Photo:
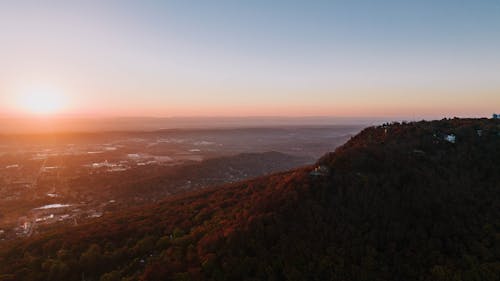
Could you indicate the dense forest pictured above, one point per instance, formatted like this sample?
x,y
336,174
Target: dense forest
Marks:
x,y
401,201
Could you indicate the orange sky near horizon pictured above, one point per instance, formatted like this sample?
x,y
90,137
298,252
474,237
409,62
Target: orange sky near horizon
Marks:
x,y
407,103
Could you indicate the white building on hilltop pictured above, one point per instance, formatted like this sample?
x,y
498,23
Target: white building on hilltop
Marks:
x,y
451,138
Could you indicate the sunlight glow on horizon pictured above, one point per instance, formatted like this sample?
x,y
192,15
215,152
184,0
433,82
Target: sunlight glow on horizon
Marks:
x,y
39,101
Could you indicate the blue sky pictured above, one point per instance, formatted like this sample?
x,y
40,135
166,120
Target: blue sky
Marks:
x,y
341,58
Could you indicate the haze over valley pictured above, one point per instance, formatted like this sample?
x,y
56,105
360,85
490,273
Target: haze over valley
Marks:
x,y
68,178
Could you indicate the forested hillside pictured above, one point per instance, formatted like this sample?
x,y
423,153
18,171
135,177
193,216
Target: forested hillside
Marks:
x,y
412,201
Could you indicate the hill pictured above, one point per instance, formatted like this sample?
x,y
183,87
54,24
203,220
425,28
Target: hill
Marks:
x,y
411,201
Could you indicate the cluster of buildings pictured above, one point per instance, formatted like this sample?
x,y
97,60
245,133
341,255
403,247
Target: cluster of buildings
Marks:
x,y
320,171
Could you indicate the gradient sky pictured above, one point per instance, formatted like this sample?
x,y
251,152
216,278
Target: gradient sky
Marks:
x,y
251,58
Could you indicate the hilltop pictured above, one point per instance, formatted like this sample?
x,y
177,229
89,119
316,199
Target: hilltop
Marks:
x,y
410,201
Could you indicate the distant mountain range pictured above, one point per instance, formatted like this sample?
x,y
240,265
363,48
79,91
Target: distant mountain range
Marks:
x,y
400,201
51,124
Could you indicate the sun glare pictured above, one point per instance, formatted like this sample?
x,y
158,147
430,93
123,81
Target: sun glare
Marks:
x,y
41,101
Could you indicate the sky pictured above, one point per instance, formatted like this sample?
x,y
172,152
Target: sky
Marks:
x,y
250,58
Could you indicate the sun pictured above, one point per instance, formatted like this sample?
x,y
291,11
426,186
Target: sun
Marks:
x,y
41,101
